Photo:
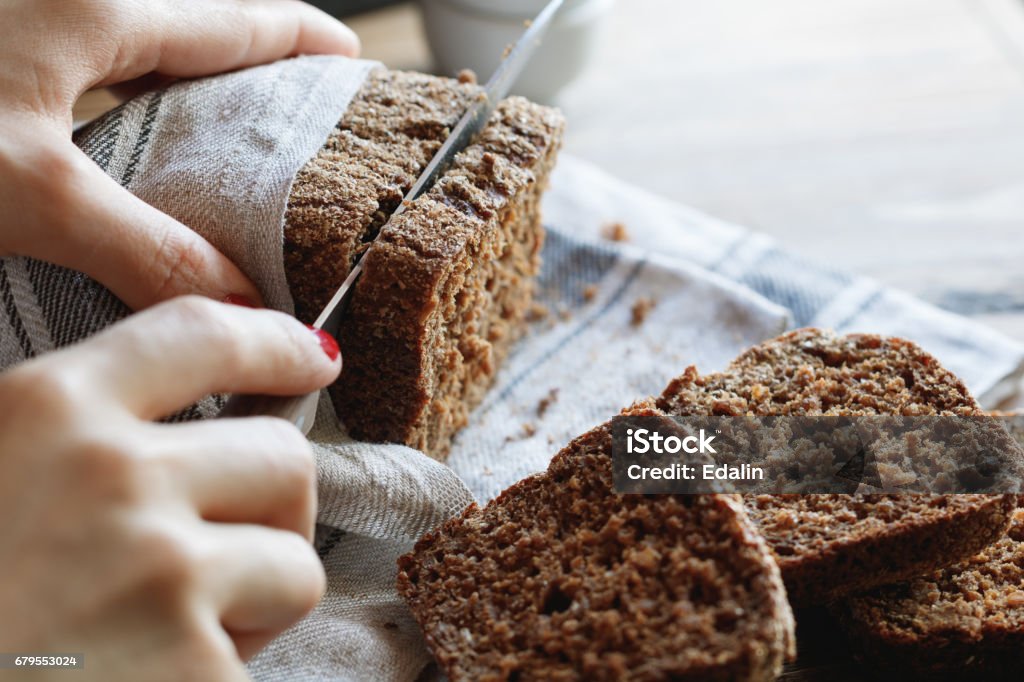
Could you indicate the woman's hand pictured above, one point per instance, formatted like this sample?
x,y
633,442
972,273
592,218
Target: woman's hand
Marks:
x,y
159,551
55,204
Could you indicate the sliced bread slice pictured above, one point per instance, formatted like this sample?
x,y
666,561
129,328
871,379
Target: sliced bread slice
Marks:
x,y
560,578
828,546
962,621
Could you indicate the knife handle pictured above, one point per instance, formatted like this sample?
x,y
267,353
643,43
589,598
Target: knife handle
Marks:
x,y
299,410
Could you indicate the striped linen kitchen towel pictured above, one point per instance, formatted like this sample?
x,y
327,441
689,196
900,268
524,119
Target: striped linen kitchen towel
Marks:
x,y
220,154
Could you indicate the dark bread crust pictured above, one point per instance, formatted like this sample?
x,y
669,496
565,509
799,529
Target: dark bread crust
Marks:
x,y
828,546
445,292
962,622
559,578
924,533
811,371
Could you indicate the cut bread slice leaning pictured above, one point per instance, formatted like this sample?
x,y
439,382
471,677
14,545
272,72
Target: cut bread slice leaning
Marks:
x,y
560,578
829,546
963,621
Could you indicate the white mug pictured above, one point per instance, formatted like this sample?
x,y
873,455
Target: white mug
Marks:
x,y
475,34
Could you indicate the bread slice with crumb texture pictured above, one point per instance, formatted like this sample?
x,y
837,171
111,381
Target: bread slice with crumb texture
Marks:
x,y
965,621
829,546
559,578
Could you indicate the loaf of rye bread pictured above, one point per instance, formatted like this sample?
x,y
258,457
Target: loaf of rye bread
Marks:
x,y
828,546
961,622
559,578
446,287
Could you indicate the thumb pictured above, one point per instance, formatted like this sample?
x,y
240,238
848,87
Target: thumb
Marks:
x,y
87,222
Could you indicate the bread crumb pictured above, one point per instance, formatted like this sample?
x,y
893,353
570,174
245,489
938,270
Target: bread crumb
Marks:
x,y
547,401
564,314
537,312
529,430
590,293
640,310
507,51
615,232
527,23
467,77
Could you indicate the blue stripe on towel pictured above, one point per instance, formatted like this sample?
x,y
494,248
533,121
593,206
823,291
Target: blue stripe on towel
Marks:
x,y
94,306
152,109
99,138
13,316
794,283
568,267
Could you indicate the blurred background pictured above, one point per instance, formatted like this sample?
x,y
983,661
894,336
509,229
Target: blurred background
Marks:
x,y
880,136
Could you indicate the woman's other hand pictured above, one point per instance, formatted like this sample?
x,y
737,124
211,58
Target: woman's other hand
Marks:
x,y
160,551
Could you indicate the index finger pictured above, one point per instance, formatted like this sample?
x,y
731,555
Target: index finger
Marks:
x,y
204,37
173,354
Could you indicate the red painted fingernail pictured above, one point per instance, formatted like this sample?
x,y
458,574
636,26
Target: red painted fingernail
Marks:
x,y
327,342
238,299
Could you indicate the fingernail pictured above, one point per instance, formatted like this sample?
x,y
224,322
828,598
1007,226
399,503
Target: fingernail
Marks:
x,y
238,299
327,342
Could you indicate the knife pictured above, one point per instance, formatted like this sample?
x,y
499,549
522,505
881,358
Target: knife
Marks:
x,y
301,410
